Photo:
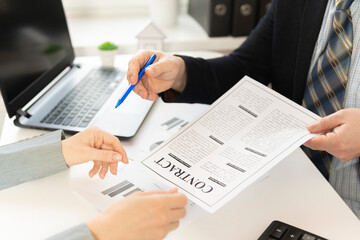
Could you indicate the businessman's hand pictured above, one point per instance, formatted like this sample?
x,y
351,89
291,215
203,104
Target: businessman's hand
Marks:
x,y
141,216
166,72
94,144
341,136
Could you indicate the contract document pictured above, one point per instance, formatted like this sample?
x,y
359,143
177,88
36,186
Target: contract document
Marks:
x,y
234,143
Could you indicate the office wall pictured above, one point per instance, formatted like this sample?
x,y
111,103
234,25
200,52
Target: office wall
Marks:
x,y
112,8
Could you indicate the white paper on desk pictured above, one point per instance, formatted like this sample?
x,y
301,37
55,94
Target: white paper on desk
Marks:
x,y
164,120
243,135
129,179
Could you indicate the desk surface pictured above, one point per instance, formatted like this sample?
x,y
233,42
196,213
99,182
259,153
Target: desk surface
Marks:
x,y
294,192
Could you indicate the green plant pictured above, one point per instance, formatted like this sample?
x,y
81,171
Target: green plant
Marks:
x,y
107,46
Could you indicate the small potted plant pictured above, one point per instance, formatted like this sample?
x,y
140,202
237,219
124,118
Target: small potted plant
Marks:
x,y
108,52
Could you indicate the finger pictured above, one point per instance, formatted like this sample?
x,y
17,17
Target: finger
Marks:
x,y
113,168
153,193
172,226
152,96
112,141
176,214
116,156
325,124
170,191
95,168
138,193
176,200
132,78
104,169
150,91
311,144
307,143
133,71
135,65
323,142
155,97
105,155
105,141
173,190
141,90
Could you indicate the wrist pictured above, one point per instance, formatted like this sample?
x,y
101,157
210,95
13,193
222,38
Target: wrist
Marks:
x,y
65,151
92,226
180,81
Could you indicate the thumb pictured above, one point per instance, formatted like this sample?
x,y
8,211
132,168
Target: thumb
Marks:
x,y
157,69
104,155
325,124
151,71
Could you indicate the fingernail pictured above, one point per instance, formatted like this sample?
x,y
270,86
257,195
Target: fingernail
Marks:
x,y
131,78
141,93
149,97
117,157
173,190
312,126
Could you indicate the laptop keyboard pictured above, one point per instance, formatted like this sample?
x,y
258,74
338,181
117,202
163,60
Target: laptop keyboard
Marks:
x,y
81,104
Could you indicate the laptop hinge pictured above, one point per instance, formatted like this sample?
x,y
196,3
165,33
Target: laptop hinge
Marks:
x,y
23,113
75,65
20,113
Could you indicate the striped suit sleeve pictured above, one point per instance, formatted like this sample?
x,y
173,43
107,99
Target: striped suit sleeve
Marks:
x,y
31,159
79,232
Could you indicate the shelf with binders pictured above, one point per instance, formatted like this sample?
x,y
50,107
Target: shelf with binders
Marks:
x,y
228,17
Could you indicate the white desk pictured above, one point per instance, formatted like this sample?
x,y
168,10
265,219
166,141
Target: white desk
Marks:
x,y
294,192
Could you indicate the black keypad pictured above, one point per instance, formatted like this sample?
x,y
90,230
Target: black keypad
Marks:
x,y
282,231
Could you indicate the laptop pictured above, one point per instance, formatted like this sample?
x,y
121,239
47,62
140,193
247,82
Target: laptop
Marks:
x,y
43,88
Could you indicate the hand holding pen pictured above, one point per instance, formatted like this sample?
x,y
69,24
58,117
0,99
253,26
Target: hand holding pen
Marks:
x,y
167,71
131,87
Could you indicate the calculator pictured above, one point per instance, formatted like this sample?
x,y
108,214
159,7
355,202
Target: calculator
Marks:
x,y
278,230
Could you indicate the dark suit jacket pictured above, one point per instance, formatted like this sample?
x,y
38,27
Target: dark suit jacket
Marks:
x,y
278,51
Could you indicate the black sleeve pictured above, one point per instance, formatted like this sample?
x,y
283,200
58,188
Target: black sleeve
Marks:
x,y
207,80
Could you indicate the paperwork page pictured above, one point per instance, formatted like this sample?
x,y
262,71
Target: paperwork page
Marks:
x,y
130,178
164,120
243,135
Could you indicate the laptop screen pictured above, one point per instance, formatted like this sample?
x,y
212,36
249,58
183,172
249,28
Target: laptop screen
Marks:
x,y
35,47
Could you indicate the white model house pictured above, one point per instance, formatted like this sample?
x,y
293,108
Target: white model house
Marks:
x,y
151,37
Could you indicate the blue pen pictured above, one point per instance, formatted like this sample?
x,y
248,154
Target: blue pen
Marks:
x,y
131,87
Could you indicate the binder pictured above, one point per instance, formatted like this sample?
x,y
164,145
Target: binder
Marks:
x,y
244,17
213,15
264,5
